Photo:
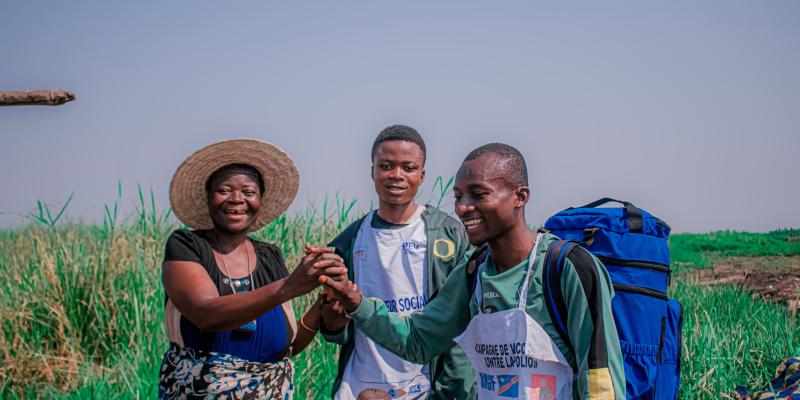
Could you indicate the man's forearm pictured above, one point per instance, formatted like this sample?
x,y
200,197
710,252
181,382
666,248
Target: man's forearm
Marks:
x,y
421,335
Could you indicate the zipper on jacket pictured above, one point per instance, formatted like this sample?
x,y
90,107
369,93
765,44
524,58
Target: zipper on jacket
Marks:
x,y
429,255
640,290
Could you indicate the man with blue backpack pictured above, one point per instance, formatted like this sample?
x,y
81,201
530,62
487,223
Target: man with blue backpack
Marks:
x,y
494,304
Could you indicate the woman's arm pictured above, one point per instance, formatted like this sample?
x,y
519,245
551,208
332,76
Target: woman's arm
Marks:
x,y
307,327
194,294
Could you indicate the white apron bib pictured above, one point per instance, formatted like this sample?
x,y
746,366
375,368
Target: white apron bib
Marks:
x,y
388,264
512,355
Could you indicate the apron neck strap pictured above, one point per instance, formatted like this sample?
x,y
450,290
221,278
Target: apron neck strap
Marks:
x,y
367,223
523,293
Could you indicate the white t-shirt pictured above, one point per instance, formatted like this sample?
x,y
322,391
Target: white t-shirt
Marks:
x,y
388,264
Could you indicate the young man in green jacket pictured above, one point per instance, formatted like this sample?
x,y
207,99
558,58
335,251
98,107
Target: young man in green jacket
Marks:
x,y
400,254
501,320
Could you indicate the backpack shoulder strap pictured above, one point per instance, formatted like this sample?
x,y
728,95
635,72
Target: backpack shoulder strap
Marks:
x,y
475,260
555,257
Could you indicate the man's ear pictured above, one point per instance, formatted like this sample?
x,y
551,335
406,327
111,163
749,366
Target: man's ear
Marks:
x,y
372,172
422,179
522,195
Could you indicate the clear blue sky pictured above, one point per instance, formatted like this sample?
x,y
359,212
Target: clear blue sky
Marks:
x,y
689,109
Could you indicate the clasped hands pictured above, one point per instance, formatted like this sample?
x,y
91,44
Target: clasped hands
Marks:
x,y
340,294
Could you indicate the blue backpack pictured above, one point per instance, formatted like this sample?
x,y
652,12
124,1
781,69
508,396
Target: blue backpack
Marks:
x,y
632,244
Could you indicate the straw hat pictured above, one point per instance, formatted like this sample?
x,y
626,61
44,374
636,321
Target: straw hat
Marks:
x,y
187,191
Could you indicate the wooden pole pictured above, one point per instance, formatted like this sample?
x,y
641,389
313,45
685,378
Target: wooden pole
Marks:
x,y
50,97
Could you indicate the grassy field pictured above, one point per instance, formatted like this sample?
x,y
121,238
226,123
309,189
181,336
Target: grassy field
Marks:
x,y
81,307
729,337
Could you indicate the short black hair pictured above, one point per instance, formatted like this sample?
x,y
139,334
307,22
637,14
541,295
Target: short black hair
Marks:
x,y
399,132
243,169
515,169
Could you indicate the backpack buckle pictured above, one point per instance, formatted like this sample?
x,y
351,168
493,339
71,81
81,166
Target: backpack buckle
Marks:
x,y
588,235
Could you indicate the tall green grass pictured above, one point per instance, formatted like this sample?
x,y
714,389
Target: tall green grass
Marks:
x,y
730,338
81,305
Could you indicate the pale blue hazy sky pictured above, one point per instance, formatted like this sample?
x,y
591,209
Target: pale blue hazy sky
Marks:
x,y
689,109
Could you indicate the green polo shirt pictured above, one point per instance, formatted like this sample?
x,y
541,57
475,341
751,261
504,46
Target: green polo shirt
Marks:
x,y
596,359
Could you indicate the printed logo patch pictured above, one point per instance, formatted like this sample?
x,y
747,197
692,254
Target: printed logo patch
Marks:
x,y
359,254
487,382
508,386
412,245
405,304
443,248
395,393
543,387
416,388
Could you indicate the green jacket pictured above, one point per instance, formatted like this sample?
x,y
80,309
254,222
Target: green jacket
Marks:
x,y
452,376
596,358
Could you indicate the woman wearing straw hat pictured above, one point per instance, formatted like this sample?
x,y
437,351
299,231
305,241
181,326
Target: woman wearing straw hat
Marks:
x,y
228,314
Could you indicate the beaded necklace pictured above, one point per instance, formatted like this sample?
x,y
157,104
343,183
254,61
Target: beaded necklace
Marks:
x,y
249,327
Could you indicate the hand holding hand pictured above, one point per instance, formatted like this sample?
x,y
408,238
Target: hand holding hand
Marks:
x,y
318,262
332,314
345,291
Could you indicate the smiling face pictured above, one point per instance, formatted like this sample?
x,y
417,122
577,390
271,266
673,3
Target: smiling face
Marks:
x,y
487,205
397,170
233,202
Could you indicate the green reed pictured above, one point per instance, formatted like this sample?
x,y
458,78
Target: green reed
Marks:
x,y
730,338
81,306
